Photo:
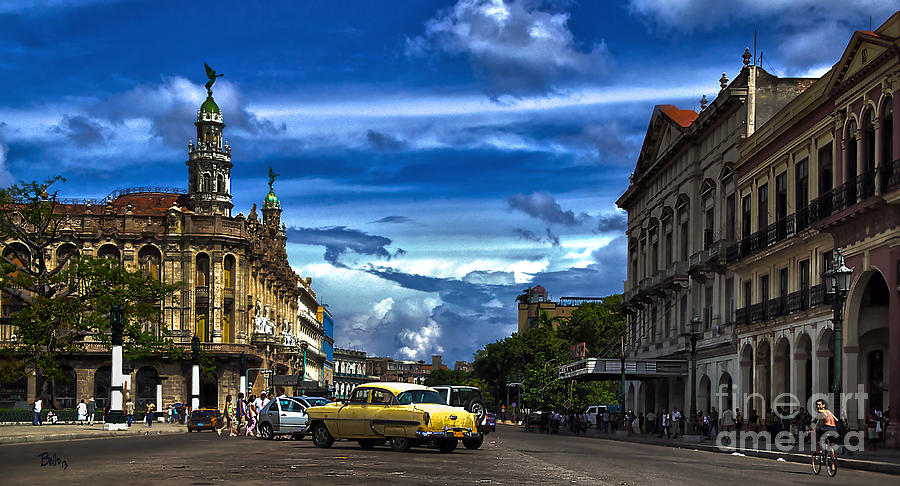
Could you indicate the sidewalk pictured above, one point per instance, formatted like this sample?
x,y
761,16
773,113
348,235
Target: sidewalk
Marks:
x,y
14,434
882,460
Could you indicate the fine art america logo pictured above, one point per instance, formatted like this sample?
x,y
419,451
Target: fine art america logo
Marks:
x,y
802,434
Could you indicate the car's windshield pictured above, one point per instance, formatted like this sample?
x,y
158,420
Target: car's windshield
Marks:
x,y
203,413
419,396
461,396
316,402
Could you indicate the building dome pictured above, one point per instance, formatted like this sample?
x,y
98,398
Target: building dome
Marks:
x,y
272,200
209,106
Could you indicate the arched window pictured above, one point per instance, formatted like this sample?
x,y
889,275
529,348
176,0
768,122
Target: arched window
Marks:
x,y
145,382
220,184
228,276
18,255
887,144
207,183
202,277
102,380
149,260
109,251
65,253
63,389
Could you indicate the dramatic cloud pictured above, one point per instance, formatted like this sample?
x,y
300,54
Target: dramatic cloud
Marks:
x,y
421,342
552,238
513,46
527,235
339,240
612,223
81,130
383,142
394,219
542,206
171,106
806,33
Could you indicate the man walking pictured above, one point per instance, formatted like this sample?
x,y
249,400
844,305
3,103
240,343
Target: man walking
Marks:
x,y
38,407
666,423
151,409
713,423
129,412
676,421
91,411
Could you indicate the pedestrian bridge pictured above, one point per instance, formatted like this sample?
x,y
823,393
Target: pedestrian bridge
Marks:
x,y
611,368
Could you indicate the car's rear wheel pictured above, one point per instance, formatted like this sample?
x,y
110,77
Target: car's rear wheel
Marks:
x,y
321,437
447,445
473,442
265,431
367,444
400,444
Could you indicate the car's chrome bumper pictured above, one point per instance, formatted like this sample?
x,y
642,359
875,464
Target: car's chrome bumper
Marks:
x,y
458,432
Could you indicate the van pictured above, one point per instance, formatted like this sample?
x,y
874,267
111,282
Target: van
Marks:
x,y
594,412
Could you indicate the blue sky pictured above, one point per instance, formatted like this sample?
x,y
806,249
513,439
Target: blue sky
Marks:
x,y
437,157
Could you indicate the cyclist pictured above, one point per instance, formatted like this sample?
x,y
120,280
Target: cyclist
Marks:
x,y
826,423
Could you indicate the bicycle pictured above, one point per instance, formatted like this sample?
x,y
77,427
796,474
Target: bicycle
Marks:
x,y
825,455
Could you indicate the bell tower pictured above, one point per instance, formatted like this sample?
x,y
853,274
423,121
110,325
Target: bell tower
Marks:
x,y
209,162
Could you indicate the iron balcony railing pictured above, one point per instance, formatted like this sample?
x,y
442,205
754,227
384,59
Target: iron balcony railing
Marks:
x,y
801,300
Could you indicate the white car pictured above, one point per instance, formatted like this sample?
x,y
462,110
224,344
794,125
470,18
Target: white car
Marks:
x,y
286,416
593,413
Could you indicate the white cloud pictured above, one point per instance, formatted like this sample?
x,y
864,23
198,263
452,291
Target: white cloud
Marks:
x,y
422,342
382,308
514,47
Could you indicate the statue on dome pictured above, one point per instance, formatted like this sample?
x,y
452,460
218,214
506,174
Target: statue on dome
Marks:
x,y
272,176
211,74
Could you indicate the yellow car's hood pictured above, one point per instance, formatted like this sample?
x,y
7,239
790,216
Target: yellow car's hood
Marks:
x,y
446,416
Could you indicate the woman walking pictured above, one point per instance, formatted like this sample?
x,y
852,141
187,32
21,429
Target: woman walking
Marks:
x,y
82,411
251,417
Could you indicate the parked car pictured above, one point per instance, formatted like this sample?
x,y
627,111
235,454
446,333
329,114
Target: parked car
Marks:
x,y
593,413
204,419
469,398
402,414
287,416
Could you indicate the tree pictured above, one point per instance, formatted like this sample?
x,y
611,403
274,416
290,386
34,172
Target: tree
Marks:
x,y
60,308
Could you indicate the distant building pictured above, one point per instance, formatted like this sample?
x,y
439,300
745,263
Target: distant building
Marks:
x,y
463,366
536,301
325,317
389,369
349,371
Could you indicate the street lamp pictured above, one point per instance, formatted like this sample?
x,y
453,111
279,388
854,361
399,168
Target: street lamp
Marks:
x,y
195,373
837,284
695,336
115,419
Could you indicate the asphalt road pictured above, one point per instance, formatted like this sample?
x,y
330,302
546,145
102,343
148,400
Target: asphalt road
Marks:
x,y
509,456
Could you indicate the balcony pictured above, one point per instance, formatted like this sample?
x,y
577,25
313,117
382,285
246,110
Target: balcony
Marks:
x,y
201,294
799,301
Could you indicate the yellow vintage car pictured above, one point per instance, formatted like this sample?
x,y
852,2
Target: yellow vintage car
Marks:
x,y
403,414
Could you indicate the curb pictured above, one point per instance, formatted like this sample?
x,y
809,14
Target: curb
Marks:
x,y
843,461
85,435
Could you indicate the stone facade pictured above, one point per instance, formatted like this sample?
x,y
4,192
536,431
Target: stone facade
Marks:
x,y
240,295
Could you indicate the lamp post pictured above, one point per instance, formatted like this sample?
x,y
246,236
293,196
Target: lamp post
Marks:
x,y
695,336
837,284
115,419
195,373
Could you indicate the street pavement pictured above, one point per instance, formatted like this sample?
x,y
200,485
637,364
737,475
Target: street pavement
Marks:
x,y
509,456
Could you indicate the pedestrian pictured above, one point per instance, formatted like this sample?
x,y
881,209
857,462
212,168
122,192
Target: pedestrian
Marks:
x,y
676,421
257,402
129,412
666,424
727,420
251,416
229,415
151,409
38,408
91,411
81,409
713,423
738,420
651,422
241,413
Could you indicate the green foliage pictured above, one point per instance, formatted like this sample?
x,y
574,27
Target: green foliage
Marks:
x,y
66,305
533,358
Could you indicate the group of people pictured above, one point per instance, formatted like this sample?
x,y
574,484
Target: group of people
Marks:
x,y
241,417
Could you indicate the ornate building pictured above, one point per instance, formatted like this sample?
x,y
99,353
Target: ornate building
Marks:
x,y
349,371
239,294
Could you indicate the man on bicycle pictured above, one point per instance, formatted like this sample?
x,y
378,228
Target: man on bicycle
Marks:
x,y
826,423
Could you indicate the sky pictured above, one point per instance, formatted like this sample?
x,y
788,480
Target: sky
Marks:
x,y
436,157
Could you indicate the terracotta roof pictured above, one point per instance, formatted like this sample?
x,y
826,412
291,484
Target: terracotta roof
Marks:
x,y
143,204
679,116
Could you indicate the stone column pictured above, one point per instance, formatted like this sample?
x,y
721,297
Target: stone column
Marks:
x,y
879,162
838,152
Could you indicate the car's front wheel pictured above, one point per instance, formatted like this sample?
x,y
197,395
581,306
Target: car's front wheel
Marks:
x,y
473,442
400,444
321,437
265,431
448,445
